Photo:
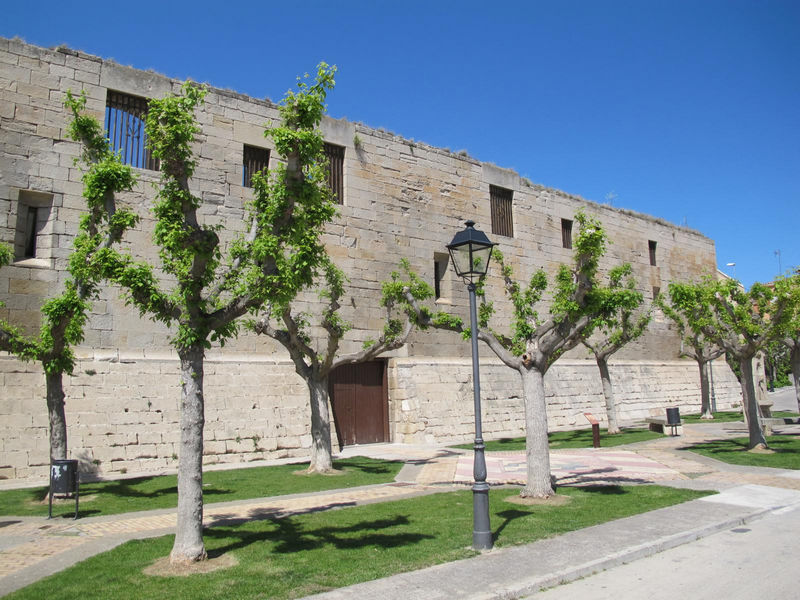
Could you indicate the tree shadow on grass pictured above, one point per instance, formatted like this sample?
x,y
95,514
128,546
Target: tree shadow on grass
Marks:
x,y
290,535
719,447
508,516
785,447
365,465
571,437
606,490
129,488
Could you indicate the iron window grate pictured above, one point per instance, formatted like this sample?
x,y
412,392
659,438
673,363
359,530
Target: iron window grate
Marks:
x,y
501,207
254,159
125,119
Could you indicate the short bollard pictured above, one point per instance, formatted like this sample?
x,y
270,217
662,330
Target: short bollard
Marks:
x,y
64,481
595,429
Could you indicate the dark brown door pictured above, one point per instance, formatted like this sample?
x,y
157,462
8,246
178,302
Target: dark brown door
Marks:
x,y
360,401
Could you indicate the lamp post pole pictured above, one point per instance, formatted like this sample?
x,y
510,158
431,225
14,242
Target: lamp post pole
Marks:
x,y
481,527
471,252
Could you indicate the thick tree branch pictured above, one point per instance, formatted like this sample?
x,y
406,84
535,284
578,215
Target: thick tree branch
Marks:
x,y
375,350
233,270
487,337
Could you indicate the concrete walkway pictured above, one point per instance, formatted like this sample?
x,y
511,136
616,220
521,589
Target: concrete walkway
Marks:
x,y
31,548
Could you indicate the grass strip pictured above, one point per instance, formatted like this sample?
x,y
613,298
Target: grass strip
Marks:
x,y
785,455
731,417
307,554
147,493
578,438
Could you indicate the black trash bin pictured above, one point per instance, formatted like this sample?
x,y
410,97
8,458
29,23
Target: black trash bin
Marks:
x,y
64,481
674,419
673,416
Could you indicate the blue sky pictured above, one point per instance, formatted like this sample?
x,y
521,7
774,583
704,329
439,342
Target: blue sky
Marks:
x,y
686,110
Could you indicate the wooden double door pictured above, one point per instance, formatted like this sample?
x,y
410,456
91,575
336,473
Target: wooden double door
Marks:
x,y
360,402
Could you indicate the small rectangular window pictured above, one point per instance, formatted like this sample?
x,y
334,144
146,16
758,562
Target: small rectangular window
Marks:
x,y
566,233
440,286
652,246
501,207
254,159
32,237
125,118
31,227
335,155
656,291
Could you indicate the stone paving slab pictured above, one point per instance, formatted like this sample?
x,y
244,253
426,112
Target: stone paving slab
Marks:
x,y
573,467
35,551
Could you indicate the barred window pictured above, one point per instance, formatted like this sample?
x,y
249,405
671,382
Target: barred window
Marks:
x,y
335,155
566,233
501,205
125,117
254,159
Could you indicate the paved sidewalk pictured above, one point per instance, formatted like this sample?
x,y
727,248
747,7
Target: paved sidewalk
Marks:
x,y
31,548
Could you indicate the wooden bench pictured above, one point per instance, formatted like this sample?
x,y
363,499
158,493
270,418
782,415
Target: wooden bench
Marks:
x,y
659,424
595,429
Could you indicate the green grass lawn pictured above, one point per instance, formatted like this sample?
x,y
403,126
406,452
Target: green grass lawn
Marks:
x,y
731,417
146,493
786,456
302,555
579,438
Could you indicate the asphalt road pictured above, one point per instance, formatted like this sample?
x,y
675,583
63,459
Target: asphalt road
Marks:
x,y
783,399
753,561
758,560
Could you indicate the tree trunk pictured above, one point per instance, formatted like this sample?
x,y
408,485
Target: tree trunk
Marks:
x,y
537,448
757,439
608,394
760,379
321,461
796,372
705,391
189,545
58,419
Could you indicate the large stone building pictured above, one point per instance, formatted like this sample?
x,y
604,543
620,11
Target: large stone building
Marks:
x,y
399,198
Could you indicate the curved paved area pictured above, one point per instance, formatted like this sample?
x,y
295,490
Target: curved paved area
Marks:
x,y
583,467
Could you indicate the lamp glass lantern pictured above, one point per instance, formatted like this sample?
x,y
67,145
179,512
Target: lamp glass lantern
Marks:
x,y
471,251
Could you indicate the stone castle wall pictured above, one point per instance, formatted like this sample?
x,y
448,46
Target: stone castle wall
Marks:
x,y
402,199
123,411
432,400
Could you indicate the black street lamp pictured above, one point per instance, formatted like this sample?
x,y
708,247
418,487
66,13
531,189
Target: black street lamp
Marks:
x,y
471,251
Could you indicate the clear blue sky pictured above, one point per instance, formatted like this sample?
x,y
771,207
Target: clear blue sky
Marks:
x,y
686,110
